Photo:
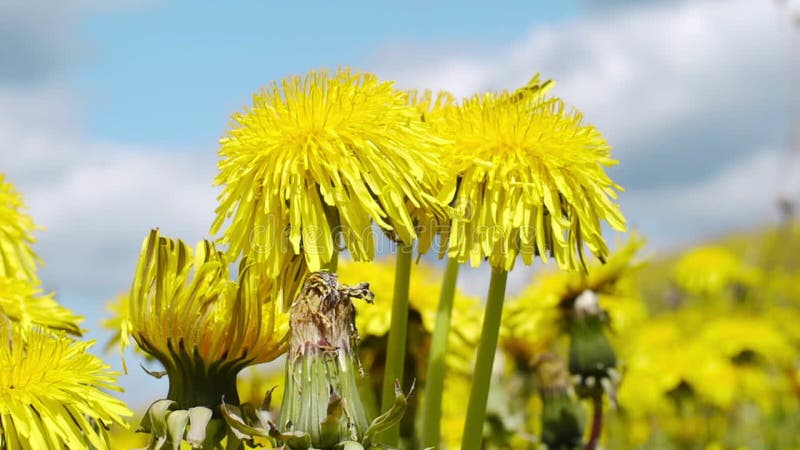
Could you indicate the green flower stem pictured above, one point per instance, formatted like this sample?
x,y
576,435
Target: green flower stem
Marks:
x,y
478,396
396,348
434,380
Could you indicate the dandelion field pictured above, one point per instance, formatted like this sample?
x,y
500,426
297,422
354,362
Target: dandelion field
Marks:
x,y
335,302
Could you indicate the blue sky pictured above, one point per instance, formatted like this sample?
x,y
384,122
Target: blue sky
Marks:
x,y
172,72
109,115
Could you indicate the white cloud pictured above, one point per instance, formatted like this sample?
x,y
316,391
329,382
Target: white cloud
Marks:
x,y
686,92
637,73
97,201
740,196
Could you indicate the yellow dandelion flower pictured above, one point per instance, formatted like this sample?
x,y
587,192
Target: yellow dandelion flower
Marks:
x,y
430,223
17,259
537,317
455,395
127,438
758,354
22,301
653,368
695,365
784,319
321,157
202,326
429,105
52,392
531,180
711,270
532,322
119,322
424,289
255,381
738,335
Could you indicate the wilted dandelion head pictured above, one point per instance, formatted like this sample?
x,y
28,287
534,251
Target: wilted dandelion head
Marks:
x,y
17,259
186,312
532,180
319,158
52,392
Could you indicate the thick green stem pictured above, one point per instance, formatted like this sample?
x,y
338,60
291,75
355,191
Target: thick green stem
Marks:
x,y
396,348
434,381
476,409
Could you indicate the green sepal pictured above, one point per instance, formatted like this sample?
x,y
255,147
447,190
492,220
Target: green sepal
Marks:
x,y
154,420
390,417
348,445
295,440
167,424
176,427
591,358
329,427
199,418
563,421
238,422
157,374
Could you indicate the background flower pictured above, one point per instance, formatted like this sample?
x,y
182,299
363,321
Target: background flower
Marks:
x,y
710,270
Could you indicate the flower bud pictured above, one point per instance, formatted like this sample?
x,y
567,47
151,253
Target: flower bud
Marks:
x,y
591,359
